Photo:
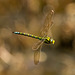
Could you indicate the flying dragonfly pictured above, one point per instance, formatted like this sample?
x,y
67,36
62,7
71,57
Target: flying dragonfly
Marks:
x,y
44,36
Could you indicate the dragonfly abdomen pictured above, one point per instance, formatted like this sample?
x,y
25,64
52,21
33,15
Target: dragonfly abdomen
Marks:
x,y
29,35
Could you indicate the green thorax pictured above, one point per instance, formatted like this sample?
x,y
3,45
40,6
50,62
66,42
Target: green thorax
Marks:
x,y
47,40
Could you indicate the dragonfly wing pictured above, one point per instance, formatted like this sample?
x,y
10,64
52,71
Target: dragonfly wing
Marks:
x,y
49,34
47,24
37,55
37,45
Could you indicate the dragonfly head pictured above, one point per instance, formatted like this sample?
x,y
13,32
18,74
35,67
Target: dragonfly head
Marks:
x,y
52,41
49,40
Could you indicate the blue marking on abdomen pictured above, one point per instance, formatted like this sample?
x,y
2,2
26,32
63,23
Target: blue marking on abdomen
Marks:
x,y
16,32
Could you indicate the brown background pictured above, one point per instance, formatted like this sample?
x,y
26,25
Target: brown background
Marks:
x,y
16,54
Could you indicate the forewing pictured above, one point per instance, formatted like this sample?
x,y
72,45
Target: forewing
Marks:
x,y
37,55
37,45
47,24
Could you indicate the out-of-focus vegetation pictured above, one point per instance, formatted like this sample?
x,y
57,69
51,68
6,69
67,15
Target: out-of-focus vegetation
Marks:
x,y
16,55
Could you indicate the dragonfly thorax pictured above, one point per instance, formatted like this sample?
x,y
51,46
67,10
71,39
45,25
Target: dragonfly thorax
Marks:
x,y
49,40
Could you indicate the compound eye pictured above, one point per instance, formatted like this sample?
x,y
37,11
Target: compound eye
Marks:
x,y
51,40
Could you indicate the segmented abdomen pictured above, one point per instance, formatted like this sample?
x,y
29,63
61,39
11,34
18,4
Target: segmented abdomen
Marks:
x,y
29,35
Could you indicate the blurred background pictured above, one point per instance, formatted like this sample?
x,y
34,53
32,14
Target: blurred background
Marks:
x,y
16,54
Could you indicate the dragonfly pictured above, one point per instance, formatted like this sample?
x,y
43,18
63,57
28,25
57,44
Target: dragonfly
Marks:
x,y
44,36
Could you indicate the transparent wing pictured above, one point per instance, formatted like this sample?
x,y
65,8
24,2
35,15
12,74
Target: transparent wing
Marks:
x,y
44,32
37,45
37,55
47,24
